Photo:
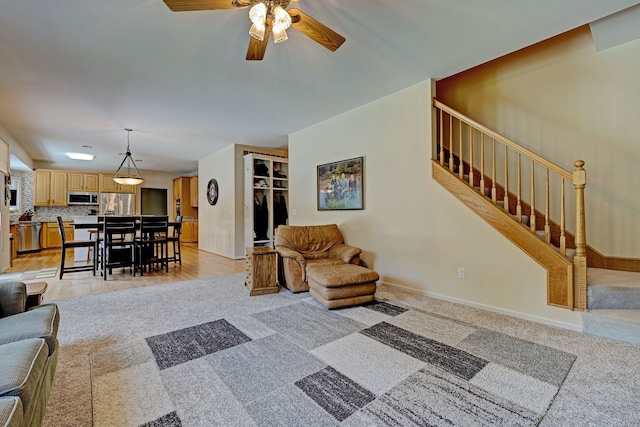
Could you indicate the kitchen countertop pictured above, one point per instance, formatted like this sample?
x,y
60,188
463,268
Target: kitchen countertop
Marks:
x,y
71,218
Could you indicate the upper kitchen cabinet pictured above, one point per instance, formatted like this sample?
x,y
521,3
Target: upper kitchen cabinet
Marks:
x,y
108,185
182,197
193,188
80,181
49,188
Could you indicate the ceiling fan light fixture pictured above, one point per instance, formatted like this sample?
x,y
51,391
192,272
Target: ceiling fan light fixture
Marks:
x,y
281,21
258,15
279,34
281,18
257,31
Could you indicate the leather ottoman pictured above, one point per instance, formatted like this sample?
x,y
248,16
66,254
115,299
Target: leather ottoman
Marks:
x,y
342,285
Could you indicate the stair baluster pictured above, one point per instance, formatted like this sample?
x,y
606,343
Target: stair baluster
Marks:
x,y
471,181
547,227
482,183
440,147
506,180
532,215
563,237
494,190
461,154
451,143
519,204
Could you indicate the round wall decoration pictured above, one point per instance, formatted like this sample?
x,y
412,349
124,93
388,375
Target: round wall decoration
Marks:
x,y
212,191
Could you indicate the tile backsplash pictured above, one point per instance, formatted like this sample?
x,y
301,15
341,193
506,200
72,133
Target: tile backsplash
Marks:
x,y
50,213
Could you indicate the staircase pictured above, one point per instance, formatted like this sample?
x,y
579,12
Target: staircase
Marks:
x,y
503,183
614,305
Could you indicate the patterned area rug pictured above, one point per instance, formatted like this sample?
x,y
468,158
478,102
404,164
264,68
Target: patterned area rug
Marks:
x,y
291,362
22,276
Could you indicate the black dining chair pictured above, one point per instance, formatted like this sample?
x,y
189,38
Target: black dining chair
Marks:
x,y
74,244
151,242
174,239
117,244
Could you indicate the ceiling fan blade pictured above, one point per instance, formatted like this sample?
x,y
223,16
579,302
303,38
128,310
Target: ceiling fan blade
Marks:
x,y
315,30
257,48
187,5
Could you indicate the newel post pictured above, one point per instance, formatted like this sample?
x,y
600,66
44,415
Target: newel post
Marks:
x,y
580,259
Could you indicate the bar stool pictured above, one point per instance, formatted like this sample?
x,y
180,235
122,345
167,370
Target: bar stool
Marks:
x,y
174,239
117,244
152,244
70,244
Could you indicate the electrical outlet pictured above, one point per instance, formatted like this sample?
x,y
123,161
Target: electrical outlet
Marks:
x,y
294,212
462,273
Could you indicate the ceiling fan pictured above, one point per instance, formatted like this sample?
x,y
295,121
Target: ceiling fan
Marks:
x,y
268,17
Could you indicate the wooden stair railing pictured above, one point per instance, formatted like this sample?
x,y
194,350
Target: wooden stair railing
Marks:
x,y
486,164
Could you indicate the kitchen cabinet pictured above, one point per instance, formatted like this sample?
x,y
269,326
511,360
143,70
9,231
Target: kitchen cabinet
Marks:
x,y
80,181
193,190
51,235
108,185
189,232
49,188
182,193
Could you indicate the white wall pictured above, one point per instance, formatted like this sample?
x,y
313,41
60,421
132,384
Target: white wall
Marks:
x,y
217,224
221,227
15,148
565,101
413,232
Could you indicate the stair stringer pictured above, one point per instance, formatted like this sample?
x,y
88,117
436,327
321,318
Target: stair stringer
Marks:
x,y
560,272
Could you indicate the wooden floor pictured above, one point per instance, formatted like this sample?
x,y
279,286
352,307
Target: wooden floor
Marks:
x,y
195,264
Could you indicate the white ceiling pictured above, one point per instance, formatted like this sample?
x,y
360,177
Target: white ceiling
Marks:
x,y
77,72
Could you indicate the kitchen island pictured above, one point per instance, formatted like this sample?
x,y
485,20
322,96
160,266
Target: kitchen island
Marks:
x,y
82,254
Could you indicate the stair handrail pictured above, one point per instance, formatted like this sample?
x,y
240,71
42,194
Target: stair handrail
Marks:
x,y
506,141
577,177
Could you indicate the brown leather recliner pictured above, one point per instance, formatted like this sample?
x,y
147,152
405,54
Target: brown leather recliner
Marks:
x,y
301,246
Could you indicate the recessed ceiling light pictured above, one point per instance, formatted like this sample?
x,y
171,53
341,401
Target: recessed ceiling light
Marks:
x,y
81,156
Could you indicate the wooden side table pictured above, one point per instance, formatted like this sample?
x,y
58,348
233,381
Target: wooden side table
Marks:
x,y
35,291
261,270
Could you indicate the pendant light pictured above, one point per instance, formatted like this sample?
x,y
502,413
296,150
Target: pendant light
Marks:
x,y
124,175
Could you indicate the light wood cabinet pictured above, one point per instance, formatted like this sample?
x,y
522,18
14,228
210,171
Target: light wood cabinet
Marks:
x,y
51,236
49,188
182,192
260,265
189,232
108,185
80,181
193,190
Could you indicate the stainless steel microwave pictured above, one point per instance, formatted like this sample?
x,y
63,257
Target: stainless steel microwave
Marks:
x,y
82,198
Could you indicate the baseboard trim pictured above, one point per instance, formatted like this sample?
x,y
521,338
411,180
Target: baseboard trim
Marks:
x,y
537,319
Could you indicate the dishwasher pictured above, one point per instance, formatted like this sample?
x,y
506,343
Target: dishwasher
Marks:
x,y
29,237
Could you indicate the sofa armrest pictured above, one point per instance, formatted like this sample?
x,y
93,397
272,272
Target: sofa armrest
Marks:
x,y
13,298
344,252
286,252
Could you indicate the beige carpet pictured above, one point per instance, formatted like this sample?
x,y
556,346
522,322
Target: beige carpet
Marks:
x,y
106,350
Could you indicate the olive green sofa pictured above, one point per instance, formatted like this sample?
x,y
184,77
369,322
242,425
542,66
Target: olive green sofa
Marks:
x,y
28,356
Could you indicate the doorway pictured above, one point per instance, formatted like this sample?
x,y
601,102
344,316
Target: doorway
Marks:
x,y
153,201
